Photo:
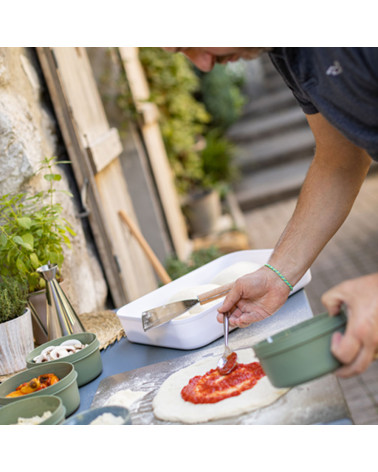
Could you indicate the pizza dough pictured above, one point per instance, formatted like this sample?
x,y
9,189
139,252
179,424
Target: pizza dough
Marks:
x,y
193,292
168,404
233,272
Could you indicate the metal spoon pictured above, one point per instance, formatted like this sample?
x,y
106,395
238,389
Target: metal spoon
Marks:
x,y
228,360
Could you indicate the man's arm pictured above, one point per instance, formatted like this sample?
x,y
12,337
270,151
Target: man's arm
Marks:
x,y
328,193
327,196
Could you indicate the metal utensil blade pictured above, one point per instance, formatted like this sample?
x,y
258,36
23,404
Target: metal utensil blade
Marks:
x,y
162,314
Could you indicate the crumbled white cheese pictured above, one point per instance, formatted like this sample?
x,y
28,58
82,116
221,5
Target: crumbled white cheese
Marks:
x,y
107,419
34,419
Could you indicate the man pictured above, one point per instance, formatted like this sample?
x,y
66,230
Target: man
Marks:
x,y
338,90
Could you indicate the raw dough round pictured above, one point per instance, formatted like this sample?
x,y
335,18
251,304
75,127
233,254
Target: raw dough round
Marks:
x,y
193,292
168,404
230,274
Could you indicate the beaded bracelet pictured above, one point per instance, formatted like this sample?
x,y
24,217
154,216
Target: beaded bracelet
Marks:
x,y
280,275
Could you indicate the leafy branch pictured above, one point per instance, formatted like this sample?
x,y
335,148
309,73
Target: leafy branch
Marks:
x,y
32,231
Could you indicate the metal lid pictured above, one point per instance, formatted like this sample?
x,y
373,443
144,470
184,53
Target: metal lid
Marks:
x,y
299,334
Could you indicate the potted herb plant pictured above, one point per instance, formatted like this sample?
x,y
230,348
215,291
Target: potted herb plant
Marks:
x,y
32,234
16,332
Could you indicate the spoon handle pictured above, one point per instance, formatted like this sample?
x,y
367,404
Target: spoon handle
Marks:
x,y
225,329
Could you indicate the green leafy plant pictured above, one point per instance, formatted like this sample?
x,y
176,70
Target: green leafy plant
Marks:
x,y
32,231
221,92
177,268
183,119
217,161
196,110
12,299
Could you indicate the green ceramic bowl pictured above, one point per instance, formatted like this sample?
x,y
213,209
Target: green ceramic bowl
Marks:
x,y
87,361
86,417
66,389
301,353
33,406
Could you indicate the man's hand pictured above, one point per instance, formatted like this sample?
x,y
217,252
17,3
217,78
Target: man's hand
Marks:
x,y
356,348
254,297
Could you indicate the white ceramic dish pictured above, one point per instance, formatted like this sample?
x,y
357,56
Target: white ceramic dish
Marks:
x,y
197,330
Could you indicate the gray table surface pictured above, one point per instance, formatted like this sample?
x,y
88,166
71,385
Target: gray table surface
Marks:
x,y
124,363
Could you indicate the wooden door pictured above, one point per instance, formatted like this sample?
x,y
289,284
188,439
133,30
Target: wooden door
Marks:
x,y
94,148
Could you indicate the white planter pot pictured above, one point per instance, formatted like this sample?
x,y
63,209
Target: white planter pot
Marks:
x,y
16,341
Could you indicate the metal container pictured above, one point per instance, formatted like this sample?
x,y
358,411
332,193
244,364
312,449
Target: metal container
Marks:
x,y
66,389
62,319
87,361
301,353
34,406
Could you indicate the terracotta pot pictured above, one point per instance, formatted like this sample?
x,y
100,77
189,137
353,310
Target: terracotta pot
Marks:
x,y
16,341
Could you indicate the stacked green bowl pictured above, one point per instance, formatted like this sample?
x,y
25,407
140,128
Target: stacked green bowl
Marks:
x,y
66,389
301,353
31,407
87,361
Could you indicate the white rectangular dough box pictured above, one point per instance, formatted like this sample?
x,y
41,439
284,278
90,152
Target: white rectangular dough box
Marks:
x,y
199,329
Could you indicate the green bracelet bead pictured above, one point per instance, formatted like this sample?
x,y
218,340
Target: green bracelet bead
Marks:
x,y
282,277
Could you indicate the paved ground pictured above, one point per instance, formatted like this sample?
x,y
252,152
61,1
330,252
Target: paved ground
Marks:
x,y
352,252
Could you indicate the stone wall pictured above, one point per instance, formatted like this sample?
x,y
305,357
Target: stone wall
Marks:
x,y
28,133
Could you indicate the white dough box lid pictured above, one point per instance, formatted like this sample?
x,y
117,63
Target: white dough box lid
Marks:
x,y
197,330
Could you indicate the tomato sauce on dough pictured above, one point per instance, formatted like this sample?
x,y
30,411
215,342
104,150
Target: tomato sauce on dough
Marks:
x,y
213,387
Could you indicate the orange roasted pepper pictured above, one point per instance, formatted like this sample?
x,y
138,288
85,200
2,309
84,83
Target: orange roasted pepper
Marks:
x,y
38,383
47,380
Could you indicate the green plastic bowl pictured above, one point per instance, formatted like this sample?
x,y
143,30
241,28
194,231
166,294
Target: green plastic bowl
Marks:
x,y
34,406
87,361
301,353
86,417
66,389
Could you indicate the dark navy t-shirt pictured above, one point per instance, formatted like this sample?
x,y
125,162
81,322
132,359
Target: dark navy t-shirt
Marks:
x,y
340,83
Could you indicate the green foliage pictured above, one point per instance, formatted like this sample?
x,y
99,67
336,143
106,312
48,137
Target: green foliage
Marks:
x,y
177,268
12,299
217,157
194,108
221,93
32,232
183,119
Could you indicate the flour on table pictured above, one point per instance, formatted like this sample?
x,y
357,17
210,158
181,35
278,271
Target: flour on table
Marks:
x,y
168,405
125,398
